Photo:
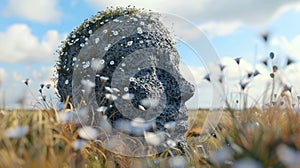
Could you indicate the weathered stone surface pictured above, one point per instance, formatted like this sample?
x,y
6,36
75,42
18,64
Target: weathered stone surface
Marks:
x,y
125,52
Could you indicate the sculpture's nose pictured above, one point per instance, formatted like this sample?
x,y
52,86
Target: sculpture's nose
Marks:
x,y
187,89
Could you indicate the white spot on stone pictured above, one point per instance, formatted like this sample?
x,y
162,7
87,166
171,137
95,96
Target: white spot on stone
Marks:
x,y
139,30
142,108
97,40
115,33
129,43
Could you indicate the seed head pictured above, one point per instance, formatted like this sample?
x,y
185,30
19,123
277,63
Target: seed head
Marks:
x,y
207,77
265,62
275,68
26,82
289,61
265,37
48,86
272,55
237,60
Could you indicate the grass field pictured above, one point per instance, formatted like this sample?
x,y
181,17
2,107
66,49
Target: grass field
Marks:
x,y
258,138
244,137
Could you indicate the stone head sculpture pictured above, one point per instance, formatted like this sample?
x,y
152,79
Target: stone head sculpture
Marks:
x,y
124,61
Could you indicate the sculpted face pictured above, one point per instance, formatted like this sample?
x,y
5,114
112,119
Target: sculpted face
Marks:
x,y
131,64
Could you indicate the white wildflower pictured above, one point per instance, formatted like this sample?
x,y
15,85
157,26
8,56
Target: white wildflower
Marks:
x,y
288,156
247,163
108,89
88,132
154,138
102,109
177,161
2,112
116,90
105,125
170,125
128,96
88,85
150,102
111,97
97,65
78,144
65,117
16,132
103,79
171,143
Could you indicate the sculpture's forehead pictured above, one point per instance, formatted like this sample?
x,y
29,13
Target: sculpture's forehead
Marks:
x,y
112,36
127,33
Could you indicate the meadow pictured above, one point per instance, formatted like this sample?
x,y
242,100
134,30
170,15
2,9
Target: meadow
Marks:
x,y
244,137
258,138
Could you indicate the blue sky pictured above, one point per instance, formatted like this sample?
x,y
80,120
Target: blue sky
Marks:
x,y
31,30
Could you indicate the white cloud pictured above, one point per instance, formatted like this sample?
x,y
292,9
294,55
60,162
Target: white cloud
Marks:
x,y
290,77
17,77
2,75
36,10
195,75
233,74
291,47
44,74
255,91
297,7
18,44
192,74
219,28
293,6
15,89
246,11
